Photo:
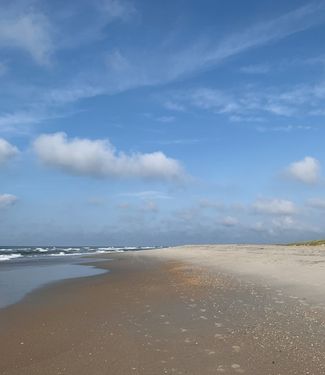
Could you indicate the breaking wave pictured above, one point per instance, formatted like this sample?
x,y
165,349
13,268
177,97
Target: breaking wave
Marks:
x,y
9,253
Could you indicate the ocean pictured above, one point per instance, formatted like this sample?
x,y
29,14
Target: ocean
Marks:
x,y
10,253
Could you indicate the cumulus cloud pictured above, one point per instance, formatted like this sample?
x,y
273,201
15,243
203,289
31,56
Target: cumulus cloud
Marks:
x,y
150,206
99,158
316,203
274,206
7,200
306,170
7,151
283,223
229,221
30,32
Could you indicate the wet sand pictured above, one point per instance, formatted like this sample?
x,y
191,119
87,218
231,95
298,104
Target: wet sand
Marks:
x,y
189,310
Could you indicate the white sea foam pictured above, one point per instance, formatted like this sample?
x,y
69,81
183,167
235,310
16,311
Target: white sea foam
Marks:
x,y
41,250
61,253
8,257
108,251
31,252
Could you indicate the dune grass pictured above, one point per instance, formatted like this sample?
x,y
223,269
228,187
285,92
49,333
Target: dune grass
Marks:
x,y
308,243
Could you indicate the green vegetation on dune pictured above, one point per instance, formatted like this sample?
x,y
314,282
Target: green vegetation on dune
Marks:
x,y
308,243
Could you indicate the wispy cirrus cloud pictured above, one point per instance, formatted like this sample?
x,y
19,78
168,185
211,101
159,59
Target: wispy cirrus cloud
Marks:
x,y
11,120
19,122
26,27
28,31
283,129
209,52
76,31
162,66
166,119
3,68
238,105
117,9
256,69
147,195
181,141
253,103
126,69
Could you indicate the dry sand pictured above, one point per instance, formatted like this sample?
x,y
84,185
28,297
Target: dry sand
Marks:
x,y
188,310
300,269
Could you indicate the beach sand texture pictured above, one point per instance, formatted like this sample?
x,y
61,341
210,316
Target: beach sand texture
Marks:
x,y
225,309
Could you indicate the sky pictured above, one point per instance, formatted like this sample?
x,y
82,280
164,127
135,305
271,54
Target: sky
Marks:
x,y
137,122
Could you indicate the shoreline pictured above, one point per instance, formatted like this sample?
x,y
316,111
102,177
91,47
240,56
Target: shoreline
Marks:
x,y
165,311
19,279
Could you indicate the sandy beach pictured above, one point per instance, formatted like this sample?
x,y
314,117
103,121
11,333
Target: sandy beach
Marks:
x,y
227,309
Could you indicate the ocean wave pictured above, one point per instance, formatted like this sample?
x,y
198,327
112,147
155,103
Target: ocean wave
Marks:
x,y
8,257
8,253
41,250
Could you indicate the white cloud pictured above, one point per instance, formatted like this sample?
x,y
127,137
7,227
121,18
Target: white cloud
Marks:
x,y
166,119
284,223
285,129
3,68
316,203
180,141
17,122
216,100
116,62
173,106
10,120
7,200
252,103
118,9
274,206
30,32
7,151
256,69
209,204
140,208
150,206
163,63
306,170
229,221
69,94
148,194
96,201
207,53
98,158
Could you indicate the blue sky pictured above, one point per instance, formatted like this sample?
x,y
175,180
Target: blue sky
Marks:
x,y
142,123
